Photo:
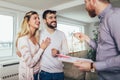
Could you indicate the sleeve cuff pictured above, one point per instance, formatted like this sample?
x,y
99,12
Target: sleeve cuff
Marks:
x,y
91,42
100,66
39,53
40,50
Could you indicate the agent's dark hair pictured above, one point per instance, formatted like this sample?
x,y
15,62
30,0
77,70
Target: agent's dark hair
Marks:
x,y
105,1
48,12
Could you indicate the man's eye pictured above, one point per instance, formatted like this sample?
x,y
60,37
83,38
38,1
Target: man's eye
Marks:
x,y
36,18
50,17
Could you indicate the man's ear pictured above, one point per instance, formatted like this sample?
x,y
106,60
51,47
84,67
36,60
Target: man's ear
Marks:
x,y
93,2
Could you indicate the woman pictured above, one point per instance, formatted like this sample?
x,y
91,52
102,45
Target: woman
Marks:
x,y
28,46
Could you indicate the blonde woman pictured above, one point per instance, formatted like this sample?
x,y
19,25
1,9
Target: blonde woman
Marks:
x,y
28,46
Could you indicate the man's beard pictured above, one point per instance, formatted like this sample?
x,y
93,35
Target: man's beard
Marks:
x,y
91,13
51,26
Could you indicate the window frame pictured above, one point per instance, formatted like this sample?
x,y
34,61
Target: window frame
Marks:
x,y
14,15
82,29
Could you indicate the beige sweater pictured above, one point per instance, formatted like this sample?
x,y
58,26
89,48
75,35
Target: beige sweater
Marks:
x,y
58,41
30,60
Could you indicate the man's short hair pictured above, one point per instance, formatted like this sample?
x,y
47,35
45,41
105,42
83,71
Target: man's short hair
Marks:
x,y
48,12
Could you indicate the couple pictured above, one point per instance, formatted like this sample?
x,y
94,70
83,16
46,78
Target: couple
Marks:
x,y
38,49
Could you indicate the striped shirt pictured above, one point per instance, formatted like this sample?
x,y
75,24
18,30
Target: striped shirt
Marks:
x,y
108,44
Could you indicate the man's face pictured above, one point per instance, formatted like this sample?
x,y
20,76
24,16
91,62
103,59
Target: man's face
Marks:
x,y
51,21
90,8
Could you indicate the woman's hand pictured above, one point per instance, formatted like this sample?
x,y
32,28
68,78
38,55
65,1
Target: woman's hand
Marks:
x,y
18,53
45,43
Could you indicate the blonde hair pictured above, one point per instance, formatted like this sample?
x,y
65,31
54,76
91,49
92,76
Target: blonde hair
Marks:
x,y
25,29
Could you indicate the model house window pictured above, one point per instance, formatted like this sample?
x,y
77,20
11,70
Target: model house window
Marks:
x,y
73,44
6,35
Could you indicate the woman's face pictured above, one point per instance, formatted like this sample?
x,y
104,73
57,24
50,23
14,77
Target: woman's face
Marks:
x,y
34,21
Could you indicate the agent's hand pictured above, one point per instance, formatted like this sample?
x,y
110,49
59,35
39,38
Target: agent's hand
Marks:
x,y
45,43
83,65
82,37
55,52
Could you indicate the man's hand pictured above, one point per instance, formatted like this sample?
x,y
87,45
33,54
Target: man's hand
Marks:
x,y
55,52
